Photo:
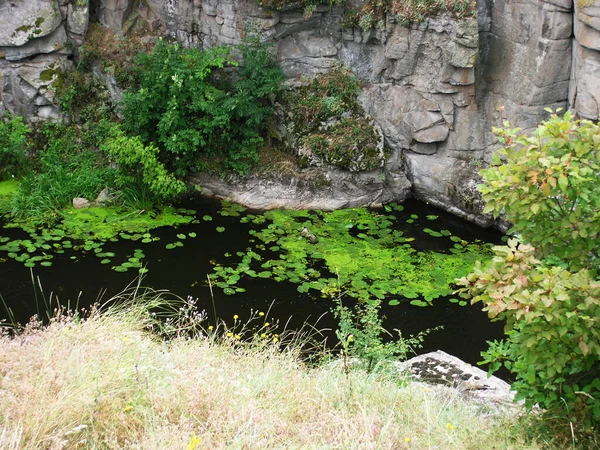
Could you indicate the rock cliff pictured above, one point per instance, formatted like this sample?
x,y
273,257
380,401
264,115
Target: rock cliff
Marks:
x,y
434,88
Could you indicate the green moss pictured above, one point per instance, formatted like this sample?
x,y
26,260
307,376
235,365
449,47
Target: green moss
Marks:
x,y
39,21
49,73
24,28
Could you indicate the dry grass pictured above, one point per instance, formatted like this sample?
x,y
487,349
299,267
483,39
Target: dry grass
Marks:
x,y
106,383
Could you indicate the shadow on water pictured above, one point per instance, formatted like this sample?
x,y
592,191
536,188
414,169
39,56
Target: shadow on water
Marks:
x,y
184,270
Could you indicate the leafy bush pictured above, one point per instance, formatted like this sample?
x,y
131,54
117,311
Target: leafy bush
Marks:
x,y
138,166
547,288
188,104
13,147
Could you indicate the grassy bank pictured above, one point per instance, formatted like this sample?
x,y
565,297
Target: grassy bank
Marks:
x,y
107,383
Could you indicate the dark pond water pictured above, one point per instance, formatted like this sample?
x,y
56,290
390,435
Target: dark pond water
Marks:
x,y
183,271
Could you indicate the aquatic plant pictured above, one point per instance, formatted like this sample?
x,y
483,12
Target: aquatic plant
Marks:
x,y
360,253
86,231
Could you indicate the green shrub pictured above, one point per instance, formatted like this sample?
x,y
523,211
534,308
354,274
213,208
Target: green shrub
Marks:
x,y
139,170
350,144
13,147
188,104
547,288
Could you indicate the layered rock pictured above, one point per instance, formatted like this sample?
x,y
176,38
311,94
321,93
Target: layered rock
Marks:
x,y
584,92
35,44
435,89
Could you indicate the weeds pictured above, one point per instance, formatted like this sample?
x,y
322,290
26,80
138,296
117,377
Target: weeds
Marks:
x,y
105,382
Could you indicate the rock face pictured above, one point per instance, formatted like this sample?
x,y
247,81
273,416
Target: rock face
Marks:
x,y
36,38
339,189
435,89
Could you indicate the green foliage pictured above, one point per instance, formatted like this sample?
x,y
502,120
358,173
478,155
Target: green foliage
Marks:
x,y
187,104
323,97
546,184
67,169
138,165
348,139
13,147
370,258
83,96
361,334
547,288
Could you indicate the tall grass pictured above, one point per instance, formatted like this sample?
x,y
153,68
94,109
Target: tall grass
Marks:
x,y
106,382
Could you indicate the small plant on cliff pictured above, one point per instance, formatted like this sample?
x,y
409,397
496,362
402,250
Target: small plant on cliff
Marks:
x,y
374,13
325,96
188,103
547,287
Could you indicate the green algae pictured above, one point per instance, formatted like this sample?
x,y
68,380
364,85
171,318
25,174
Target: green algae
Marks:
x,y
357,252
88,230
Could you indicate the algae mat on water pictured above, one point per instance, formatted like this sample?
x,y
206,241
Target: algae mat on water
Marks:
x,y
355,252
88,230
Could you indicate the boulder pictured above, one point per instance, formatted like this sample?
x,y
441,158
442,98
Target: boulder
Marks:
x,y
81,203
24,21
113,13
49,43
585,84
438,367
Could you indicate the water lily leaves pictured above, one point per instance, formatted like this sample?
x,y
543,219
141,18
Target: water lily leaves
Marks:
x,y
393,302
206,218
181,236
220,229
431,217
432,233
375,261
458,301
420,303
192,234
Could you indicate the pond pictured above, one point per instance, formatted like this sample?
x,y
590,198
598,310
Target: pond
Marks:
x,y
223,236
